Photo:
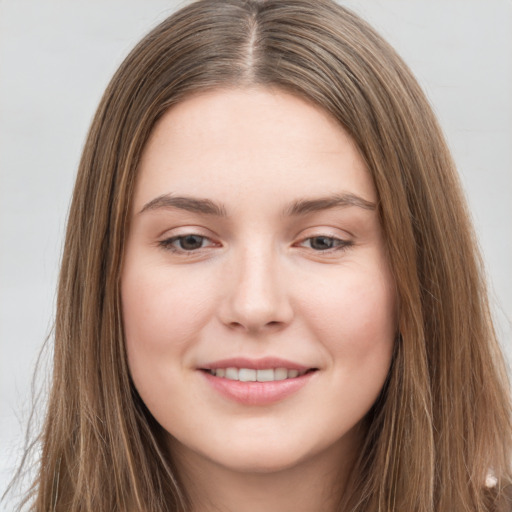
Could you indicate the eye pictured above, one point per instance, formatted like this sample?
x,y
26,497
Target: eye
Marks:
x,y
186,243
324,243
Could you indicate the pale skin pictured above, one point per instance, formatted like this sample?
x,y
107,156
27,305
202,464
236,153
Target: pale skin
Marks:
x,y
255,234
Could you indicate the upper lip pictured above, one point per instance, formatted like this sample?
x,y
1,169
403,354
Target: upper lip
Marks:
x,y
256,364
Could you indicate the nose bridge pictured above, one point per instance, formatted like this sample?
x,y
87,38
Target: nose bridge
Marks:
x,y
258,296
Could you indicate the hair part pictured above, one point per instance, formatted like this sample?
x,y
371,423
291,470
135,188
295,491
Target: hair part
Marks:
x,y
442,421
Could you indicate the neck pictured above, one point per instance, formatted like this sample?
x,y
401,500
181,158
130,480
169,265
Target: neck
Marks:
x,y
317,484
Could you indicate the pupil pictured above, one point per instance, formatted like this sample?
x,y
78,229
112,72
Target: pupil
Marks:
x,y
191,242
321,243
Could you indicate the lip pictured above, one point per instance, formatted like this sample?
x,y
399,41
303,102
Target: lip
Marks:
x,y
256,393
255,364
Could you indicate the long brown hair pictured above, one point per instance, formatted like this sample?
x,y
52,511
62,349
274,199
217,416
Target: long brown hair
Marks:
x,y
443,420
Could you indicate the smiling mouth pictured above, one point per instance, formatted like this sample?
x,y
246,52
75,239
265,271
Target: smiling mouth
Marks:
x,y
259,375
257,382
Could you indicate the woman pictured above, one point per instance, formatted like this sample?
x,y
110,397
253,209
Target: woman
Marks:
x,y
270,296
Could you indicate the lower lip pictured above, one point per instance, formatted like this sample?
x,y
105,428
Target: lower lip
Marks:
x,y
257,393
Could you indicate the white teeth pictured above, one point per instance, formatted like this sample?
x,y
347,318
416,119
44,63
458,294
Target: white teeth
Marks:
x,y
246,375
251,375
280,373
232,373
265,375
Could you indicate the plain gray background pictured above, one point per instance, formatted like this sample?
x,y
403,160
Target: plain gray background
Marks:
x,y
57,56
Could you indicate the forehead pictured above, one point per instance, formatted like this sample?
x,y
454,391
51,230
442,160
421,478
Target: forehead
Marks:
x,y
250,143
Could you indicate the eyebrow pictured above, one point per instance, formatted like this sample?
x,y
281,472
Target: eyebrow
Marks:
x,y
297,208
191,204
305,206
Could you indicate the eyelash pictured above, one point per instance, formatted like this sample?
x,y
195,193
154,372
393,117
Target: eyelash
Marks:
x,y
168,244
339,244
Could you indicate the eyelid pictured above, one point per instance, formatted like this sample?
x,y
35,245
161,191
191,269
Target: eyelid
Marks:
x,y
341,243
169,241
184,230
169,237
344,240
324,230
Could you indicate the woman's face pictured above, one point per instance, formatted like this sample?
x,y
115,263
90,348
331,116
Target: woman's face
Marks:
x,y
259,308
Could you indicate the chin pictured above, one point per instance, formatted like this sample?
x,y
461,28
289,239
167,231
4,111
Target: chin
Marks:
x,y
263,454
259,461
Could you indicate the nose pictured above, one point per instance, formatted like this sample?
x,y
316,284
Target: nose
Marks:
x,y
256,297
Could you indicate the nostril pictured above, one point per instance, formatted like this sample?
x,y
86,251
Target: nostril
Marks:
x,y
256,326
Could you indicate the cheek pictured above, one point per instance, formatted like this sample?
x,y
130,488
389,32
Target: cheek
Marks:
x,y
163,317
354,315
159,310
